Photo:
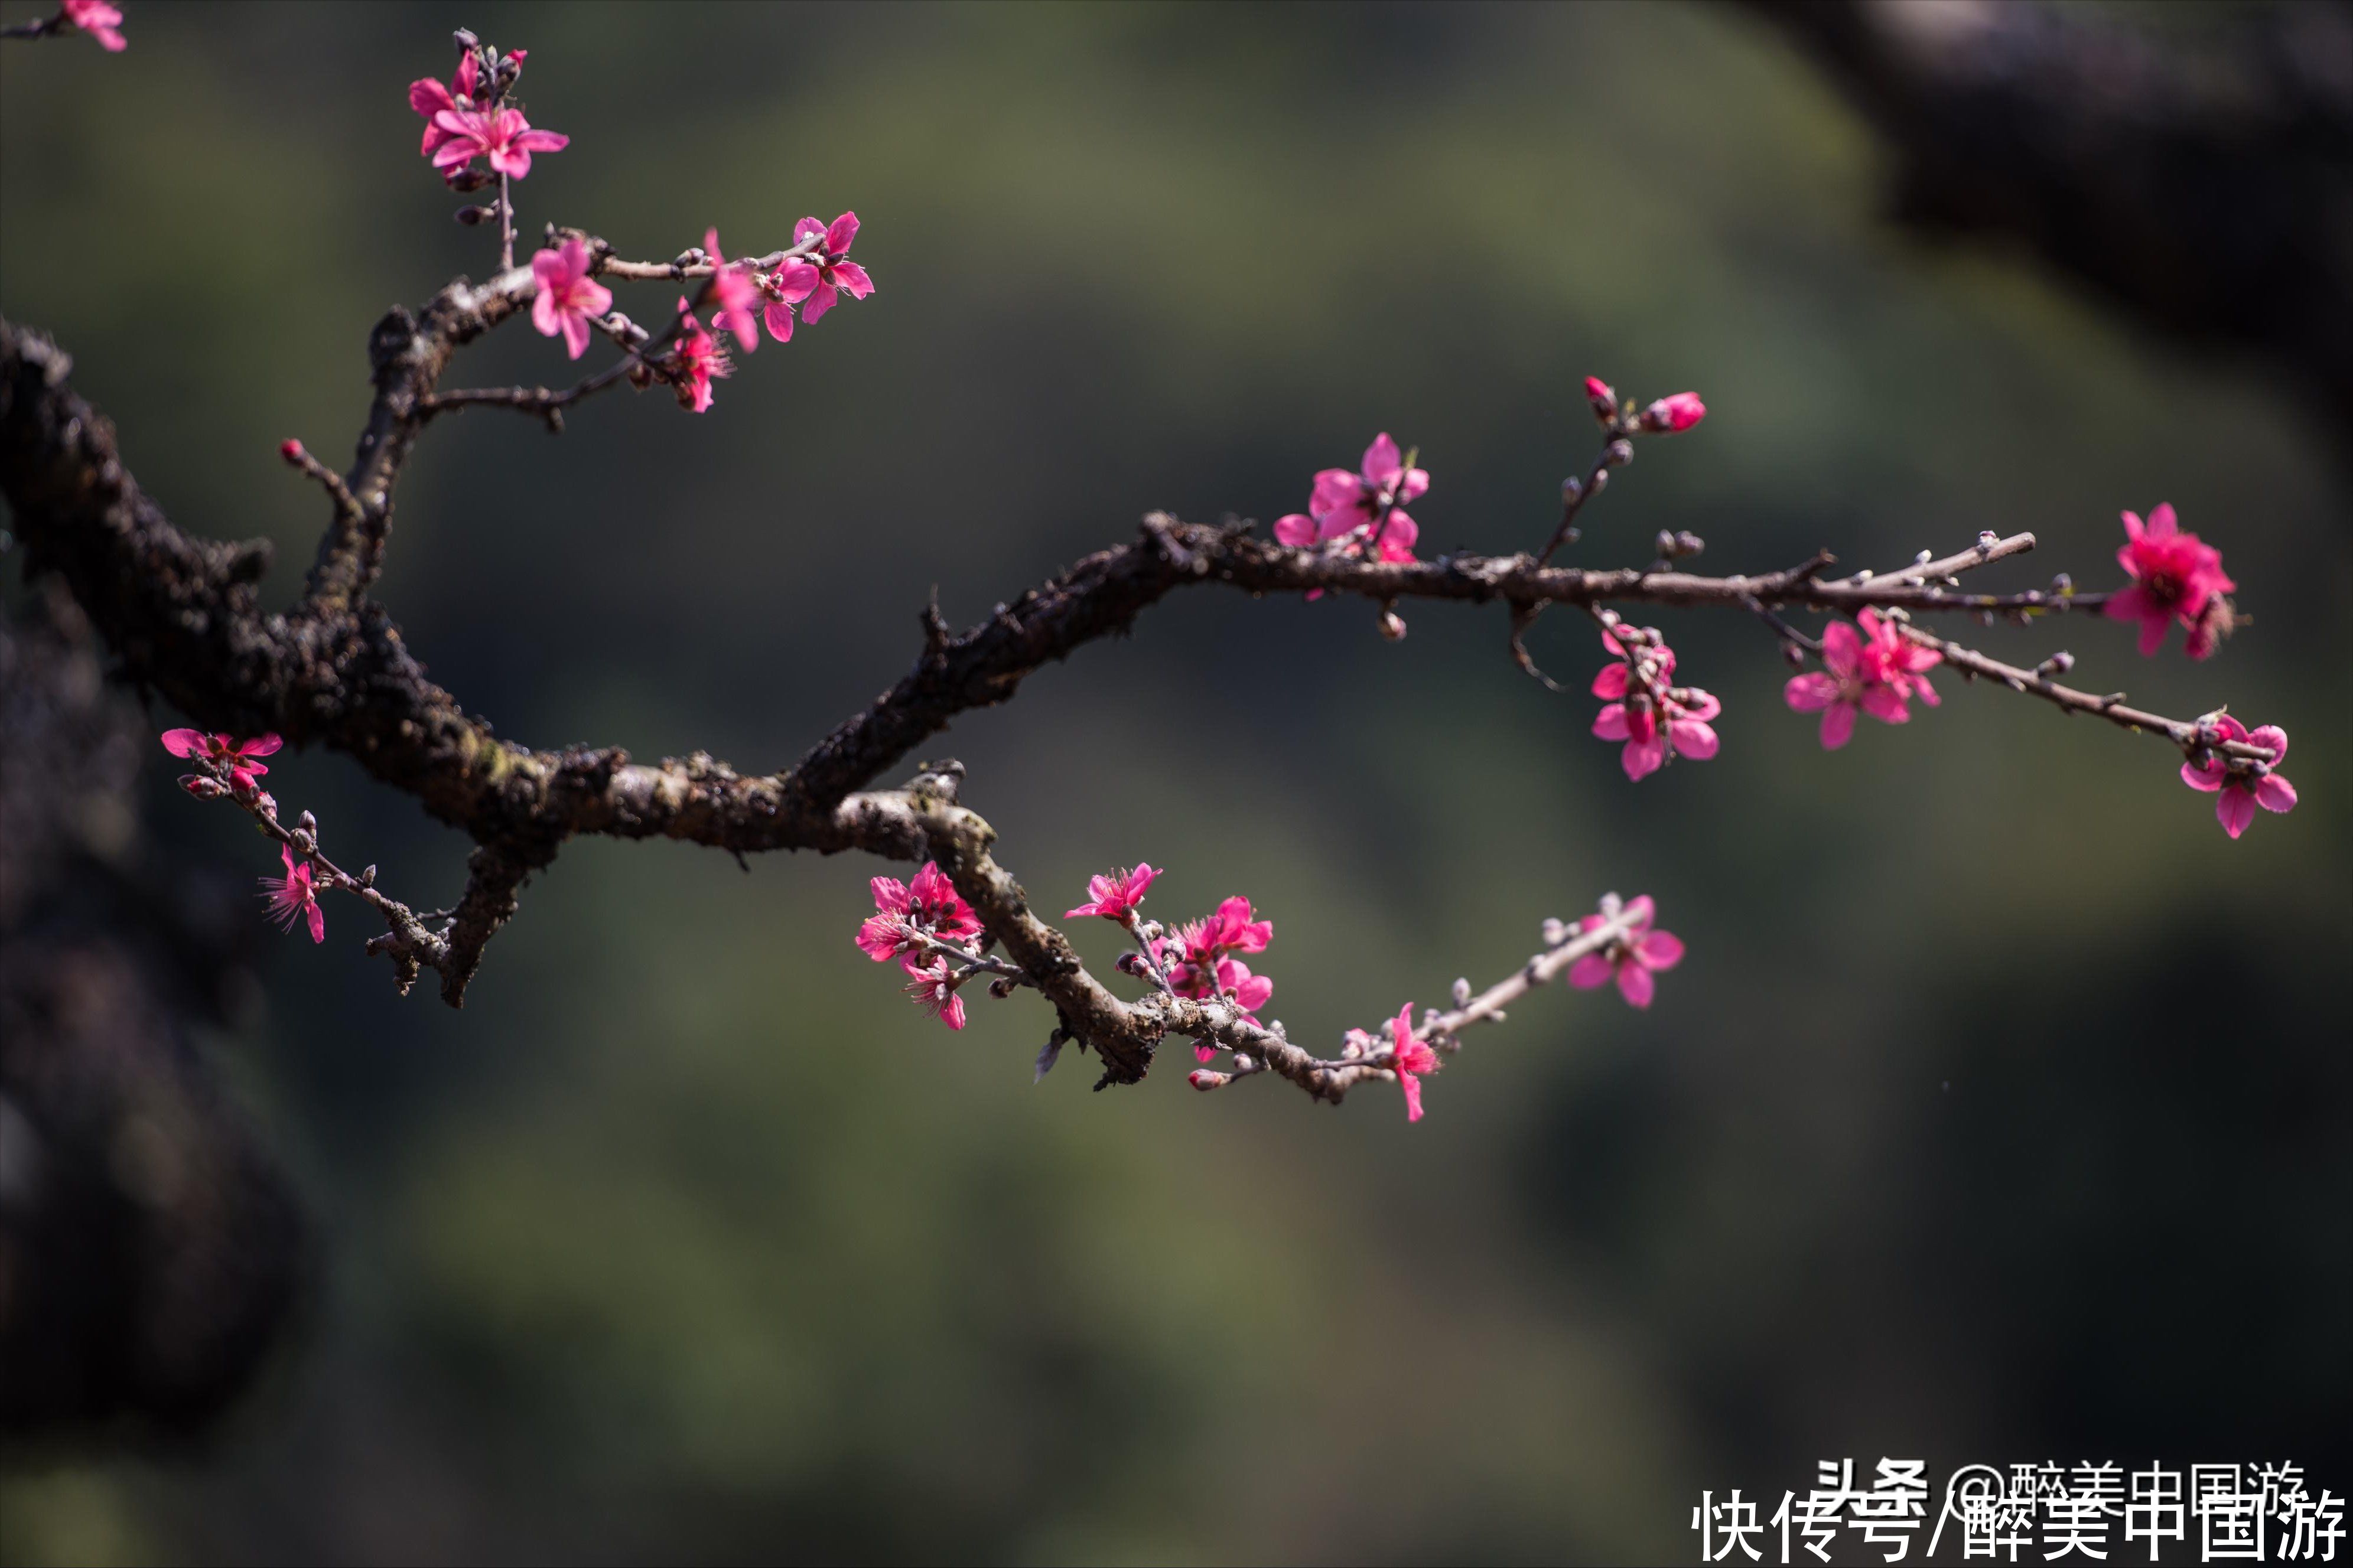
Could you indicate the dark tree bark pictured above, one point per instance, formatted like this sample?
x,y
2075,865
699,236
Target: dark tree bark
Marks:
x,y
2205,194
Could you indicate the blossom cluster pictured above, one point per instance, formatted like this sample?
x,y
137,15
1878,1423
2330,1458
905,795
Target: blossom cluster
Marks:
x,y
925,924
470,118
1361,512
1645,710
233,768
1876,671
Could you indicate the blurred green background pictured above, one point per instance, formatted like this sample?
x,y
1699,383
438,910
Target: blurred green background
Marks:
x,y
1999,1114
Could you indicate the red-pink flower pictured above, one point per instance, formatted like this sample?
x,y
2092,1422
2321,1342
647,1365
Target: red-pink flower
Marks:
x,y
1410,1058
1877,672
1343,502
824,276
1232,928
429,98
736,294
934,990
699,358
1669,415
1116,897
101,21
2175,577
1602,396
1206,967
1647,713
569,296
235,755
1632,959
2240,786
294,897
501,135
906,912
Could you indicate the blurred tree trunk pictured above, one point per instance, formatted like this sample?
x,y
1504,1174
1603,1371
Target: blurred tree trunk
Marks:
x,y
2206,193
151,1250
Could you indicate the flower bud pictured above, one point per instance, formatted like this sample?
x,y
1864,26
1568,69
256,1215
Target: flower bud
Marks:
x,y
2059,663
1205,1080
1671,414
465,40
1392,626
201,787
1571,491
468,217
463,180
1604,398
292,451
1555,930
1462,991
1621,452
367,877
1611,906
307,823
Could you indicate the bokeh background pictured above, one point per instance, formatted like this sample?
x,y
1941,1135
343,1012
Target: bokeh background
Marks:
x,y
1999,1112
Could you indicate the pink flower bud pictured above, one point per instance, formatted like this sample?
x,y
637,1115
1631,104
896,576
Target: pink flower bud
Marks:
x,y
291,451
201,787
1669,415
1603,396
1205,1080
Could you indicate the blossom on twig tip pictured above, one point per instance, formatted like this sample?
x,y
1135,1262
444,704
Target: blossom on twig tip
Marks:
x,y
1677,413
1632,959
2239,786
101,21
934,990
2175,576
824,276
237,756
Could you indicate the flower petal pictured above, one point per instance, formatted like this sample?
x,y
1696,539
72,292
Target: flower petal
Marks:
x,y
1811,692
1593,970
2234,808
1837,725
186,743
1635,984
841,233
1659,949
1610,684
2274,792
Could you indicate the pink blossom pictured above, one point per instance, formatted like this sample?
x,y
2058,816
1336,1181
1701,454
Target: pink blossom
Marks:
x,y
1877,672
1648,714
237,756
501,135
824,276
1669,415
1231,929
101,21
1114,897
736,294
699,358
429,98
2175,577
294,896
907,912
2240,786
569,296
1632,959
1206,967
1343,502
934,990
1410,1058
